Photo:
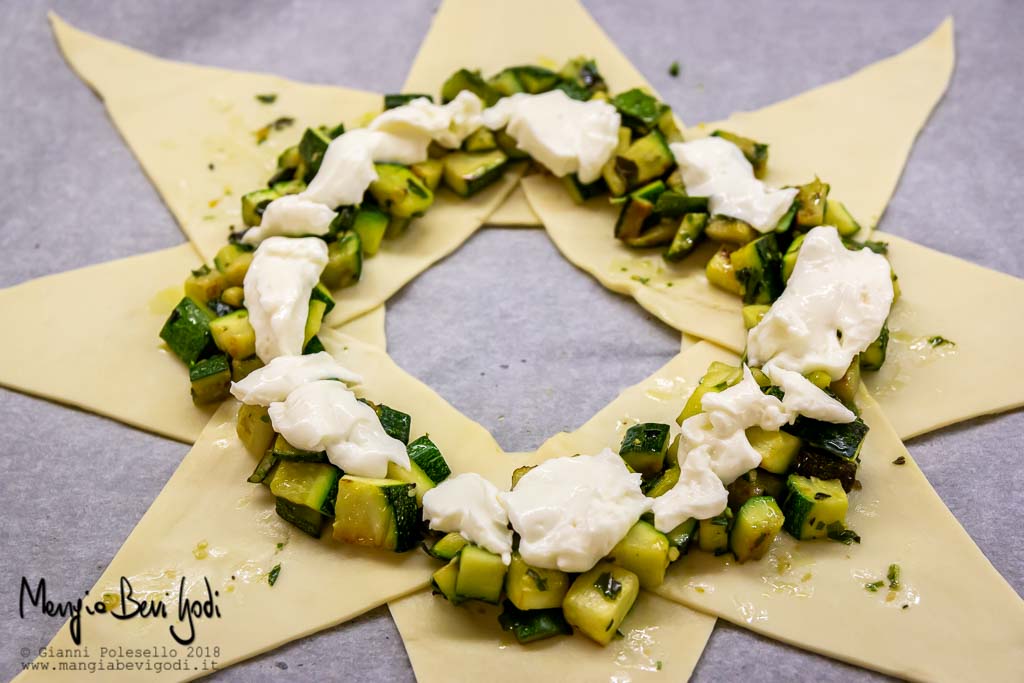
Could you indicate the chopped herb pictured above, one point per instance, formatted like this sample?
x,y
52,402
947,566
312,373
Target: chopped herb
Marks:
x,y
277,124
877,247
657,665
267,98
210,166
938,341
274,573
905,606
837,532
280,546
902,460
609,586
873,587
821,495
673,71
894,576
641,280
540,581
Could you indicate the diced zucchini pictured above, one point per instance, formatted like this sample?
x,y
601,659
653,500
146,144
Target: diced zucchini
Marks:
x,y
508,145
758,267
204,285
534,588
757,523
314,319
211,379
777,449
480,140
663,483
818,378
789,258
254,204
786,222
393,100
582,192
640,111
613,179
837,215
668,127
400,192
536,79
289,158
730,230
264,469
428,457
688,235
285,451
599,600
519,472
718,377
845,388
396,424
380,513
506,83
752,314
583,72
466,173
674,203
308,485
644,445
645,160
812,504
370,224
233,296
811,202
444,580
233,262
254,429
312,148
713,536
396,227
721,274
464,79
288,187
533,625
448,546
481,575
430,172
634,215
233,334
873,357
682,535
644,551
187,331
756,482
414,475
344,261
321,293
841,440
306,519
314,345
824,466
658,235
241,367
755,152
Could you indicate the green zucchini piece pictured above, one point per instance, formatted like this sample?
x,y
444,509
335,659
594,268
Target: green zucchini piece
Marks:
x,y
530,588
873,357
661,484
645,159
812,504
824,466
581,192
380,513
464,79
752,315
430,172
837,215
599,600
264,468
370,224
400,192
713,536
583,72
758,267
536,79
533,625
845,388
789,258
755,152
644,551
312,148
721,274
241,367
344,261
466,173
633,217
204,285
444,579
321,293
756,482
481,575
448,546
254,428
396,227
668,126
786,222
233,261
506,83
288,187
480,140
658,235
396,424
314,345
306,519
211,379
730,230
643,447
777,449
574,91
428,458
757,523
688,234
414,475
519,472
613,179
840,440
233,334
673,203
290,158
307,485
718,377
254,204
233,296
811,202
640,111
187,331
286,452
393,100
314,319
681,537
508,145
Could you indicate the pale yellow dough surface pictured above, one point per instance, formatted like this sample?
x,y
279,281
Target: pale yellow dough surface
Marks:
x,y
515,211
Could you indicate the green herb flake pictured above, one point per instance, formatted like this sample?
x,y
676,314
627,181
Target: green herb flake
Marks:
x,y
874,586
894,576
657,665
609,586
821,495
538,580
937,341
274,573
280,546
837,532
641,280
902,460
279,123
267,98
673,71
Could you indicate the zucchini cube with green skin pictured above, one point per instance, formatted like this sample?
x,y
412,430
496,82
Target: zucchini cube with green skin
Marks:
x,y
306,485
639,110
314,319
581,192
688,235
718,377
393,100
663,483
536,79
481,575
414,475
187,331
264,469
644,446
448,546
519,472
789,258
584,72
254,428
599,600
873,357
529,626
370,224
444,580
396,424
428,458
675,203
755,152
659,235
811,202
286,452
379,513
713,536
681,536
466,173
312,148
314,345
289,158
758,267
752,315
839,440
464,79
400,192
669,127
204,285
430,172
756,482
811,463
778,449
530,588
757,523
305,519
836,214
730,230
255,203
211,380
645,159
233,261
480,140
721,274
396,227
508,145
813,504
287,187
633,217
616,183
344,261
233,334
845,388
241,367
506,83
644,551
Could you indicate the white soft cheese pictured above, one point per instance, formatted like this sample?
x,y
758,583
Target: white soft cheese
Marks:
x,y
716,168
274,381
802,397
699,494
277,286
468,504
325,416
571,511
447,124
291,216
833,307
565,135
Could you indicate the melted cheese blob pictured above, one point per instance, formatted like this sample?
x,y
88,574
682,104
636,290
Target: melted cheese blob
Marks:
x,y
565,135
291,216
716,168
277,286
325,416
570,512
469,505
274,381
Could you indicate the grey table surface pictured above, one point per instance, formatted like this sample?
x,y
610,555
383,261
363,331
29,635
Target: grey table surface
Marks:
x,y
505,328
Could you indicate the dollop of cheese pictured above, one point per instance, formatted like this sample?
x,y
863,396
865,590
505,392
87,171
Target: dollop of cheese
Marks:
x,y
565,135
469,505
802,397
448,124
716,168
277,286
281,376
571,511
291,216
325,416
699,494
